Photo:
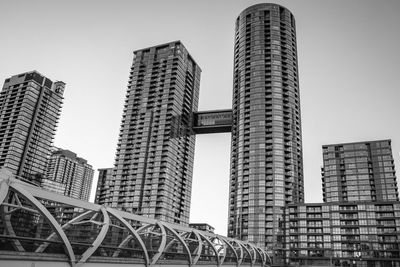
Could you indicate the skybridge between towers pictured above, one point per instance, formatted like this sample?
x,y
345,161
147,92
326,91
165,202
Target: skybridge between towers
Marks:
x,y
213,121
40,228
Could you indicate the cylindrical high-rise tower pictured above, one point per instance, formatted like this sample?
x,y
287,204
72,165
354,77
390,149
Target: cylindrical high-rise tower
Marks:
x,y
266,153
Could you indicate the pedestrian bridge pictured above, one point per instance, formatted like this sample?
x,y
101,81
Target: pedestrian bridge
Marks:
x,y
40,228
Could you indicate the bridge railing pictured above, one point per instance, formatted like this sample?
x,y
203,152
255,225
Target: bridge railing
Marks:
x,y
38,224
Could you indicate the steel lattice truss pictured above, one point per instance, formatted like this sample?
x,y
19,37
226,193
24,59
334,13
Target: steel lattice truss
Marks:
x,y
37,222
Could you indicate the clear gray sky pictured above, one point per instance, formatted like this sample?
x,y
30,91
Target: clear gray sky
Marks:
x,y
349,63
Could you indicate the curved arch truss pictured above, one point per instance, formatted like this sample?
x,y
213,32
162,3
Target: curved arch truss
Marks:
x,y
34,221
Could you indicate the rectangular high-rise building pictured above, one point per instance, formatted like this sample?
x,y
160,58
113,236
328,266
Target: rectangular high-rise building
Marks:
x,y
154,160
102,189
69,175
360,233
30,106
359,171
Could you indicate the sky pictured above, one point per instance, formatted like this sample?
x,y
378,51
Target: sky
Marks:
x,y
349,65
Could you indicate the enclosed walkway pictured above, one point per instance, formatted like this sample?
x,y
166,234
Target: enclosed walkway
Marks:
x,y
40,228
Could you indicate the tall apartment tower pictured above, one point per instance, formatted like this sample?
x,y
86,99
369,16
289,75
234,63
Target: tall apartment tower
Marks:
x,y
30,106
154,158
359,171
69,175
266,150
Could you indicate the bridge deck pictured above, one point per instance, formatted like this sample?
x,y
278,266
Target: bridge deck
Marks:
x,y
40,228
